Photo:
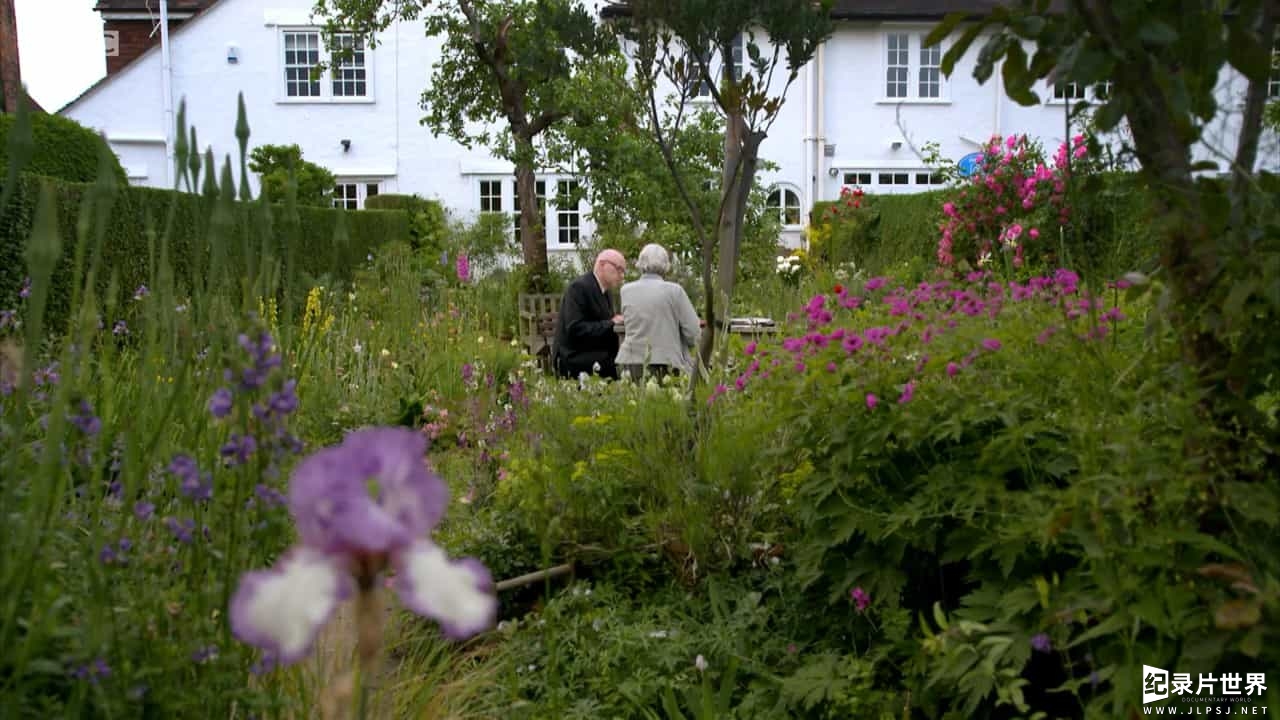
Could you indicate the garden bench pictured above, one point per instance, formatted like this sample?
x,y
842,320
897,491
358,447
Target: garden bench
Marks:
x,y
538,314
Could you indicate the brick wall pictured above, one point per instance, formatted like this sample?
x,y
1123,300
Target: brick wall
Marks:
x,y
134,39
10,72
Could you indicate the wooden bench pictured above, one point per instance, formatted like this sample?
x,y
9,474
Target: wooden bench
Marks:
x,y
538,313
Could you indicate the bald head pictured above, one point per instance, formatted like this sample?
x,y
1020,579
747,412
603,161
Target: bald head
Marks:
x,y
610,268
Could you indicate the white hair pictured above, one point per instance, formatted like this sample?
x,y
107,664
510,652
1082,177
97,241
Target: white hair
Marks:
x,y
654,259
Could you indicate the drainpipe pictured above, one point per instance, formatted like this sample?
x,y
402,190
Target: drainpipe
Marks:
x,y
820,141
999,95
806,136
166,85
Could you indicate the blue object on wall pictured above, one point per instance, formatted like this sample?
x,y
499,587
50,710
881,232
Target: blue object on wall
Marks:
x,y
969,164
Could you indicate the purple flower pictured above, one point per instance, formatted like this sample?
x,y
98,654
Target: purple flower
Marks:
x,y
952,369
120,328
8,318
875,283
468,372
269,496
143,510
360,506
861,600
463,268
141,292
85,420
220,403
204,654
908,392
285,401
1041,643
192,484
181,529
25,291
107,556
991,344
238,449
872,400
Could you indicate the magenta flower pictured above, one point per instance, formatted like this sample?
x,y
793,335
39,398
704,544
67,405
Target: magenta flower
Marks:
x,y
952,369
908,392
361,507
872,400
861,599
991,344
750,349
463,268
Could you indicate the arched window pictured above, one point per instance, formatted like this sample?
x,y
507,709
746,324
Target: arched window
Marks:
x,y
786,202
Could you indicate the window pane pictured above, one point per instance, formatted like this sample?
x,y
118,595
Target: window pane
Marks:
x,y
370,190
348,71
930,71
791,208
567,216
897,65
301,56
490,196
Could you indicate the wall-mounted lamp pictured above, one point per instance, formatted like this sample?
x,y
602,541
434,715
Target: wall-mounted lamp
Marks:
x,y
833,171
233,55
346,145
896,144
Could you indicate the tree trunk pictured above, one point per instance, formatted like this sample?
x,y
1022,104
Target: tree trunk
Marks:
x,y
533,243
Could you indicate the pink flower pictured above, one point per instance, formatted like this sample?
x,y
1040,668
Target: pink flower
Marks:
x,y
861,600
991,344
1033,233
831,367
871,401
750,349
908,392
952,369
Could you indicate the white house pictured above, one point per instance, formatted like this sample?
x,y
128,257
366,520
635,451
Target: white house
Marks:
x,y
856,115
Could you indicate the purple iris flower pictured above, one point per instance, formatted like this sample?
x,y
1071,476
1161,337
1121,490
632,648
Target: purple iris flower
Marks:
x,y
1041,643
220,403
360,507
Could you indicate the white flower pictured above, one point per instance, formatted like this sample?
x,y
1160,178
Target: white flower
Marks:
x,y
700,663
357,348
385,353
984,259
660,634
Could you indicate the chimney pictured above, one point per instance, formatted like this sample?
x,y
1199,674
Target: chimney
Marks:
x,y
10,69
131,27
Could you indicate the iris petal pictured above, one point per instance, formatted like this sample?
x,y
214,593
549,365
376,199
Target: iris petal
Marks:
x,y
282,610
458,594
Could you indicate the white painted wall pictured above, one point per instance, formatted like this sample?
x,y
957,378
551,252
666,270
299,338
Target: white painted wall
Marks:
x,y
389,146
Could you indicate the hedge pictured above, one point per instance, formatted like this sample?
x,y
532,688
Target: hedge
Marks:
x,y
429,225
310,242
1111,233
63,149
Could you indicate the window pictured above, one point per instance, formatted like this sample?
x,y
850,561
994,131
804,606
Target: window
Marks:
x,y
347,78
911,70
697,87
490,196
1273,84
786,203
568,219
301,56
1102,91
1068,91
540,189
898,66
930,71
894,180
352,195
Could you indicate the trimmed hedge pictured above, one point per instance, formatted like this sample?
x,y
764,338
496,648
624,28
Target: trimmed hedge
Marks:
x,y
311,243
429,225
64,149
1111,235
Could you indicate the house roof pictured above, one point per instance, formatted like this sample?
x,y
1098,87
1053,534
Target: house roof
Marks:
x,y
117,5
883,9
150,5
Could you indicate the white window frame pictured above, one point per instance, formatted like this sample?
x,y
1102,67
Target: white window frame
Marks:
x,y
484,192
785,191
361,185
507,203
566,214
1095,93
1273,80
540,191
915,49
908,175
739,63
326,78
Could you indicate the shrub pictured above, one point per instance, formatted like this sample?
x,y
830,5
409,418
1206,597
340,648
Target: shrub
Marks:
x,y
276,163
310,243
63,149
428,223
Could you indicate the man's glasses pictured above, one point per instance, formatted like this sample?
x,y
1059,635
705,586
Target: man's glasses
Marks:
x,y
616,266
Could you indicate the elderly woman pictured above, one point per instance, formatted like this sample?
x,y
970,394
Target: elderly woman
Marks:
x,y
661,325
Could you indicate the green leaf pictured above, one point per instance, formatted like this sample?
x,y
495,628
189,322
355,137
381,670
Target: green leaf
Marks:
x,y
943,29
1113,624
960,47
1157,32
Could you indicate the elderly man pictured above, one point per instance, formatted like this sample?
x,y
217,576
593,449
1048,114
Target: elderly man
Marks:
x,y
585,339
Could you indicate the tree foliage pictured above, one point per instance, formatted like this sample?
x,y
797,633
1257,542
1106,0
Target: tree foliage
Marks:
x,y
1219,251
518,63
691,44
278,165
